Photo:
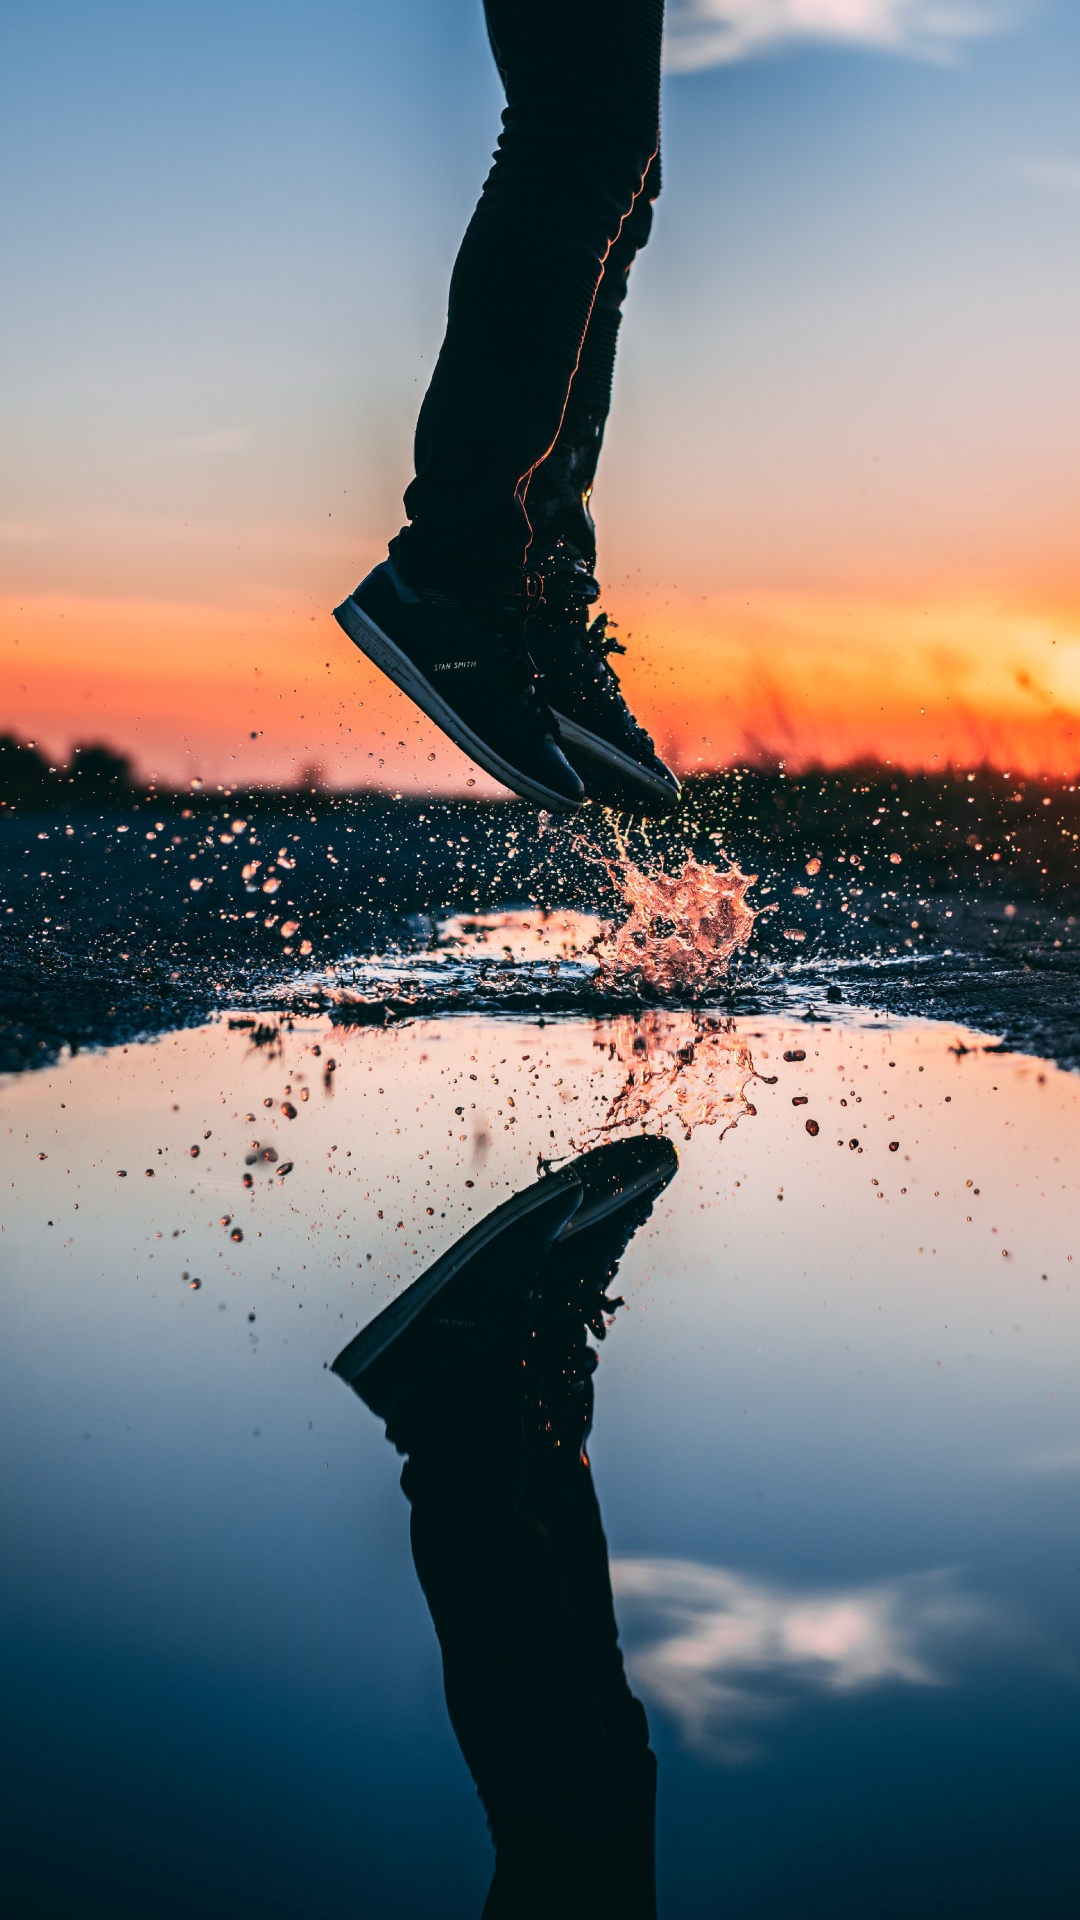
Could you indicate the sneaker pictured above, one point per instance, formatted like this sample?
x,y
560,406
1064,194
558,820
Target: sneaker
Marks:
x,y
519,1289
475,1289
619,1179
467,668
597,731
568,1295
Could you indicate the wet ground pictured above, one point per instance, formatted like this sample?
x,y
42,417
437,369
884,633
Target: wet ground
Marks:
x,y
836,1444
957,898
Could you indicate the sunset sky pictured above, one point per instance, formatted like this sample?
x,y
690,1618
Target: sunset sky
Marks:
x,y
840,498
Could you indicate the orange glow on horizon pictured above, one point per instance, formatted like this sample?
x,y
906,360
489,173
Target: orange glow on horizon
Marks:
x,y
262,694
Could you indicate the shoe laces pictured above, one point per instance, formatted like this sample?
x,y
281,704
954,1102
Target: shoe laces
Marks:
x,y
574,591
567,590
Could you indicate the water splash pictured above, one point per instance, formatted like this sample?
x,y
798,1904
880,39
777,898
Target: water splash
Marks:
x,y
682,929
693,1070
675,940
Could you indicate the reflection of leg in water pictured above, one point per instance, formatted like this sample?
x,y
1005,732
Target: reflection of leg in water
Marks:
x,y
489,1393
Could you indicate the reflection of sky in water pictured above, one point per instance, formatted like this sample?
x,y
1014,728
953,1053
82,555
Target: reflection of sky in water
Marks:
x,y
837,1447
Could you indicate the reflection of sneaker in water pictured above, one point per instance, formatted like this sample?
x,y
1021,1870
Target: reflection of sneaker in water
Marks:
x,y
568,1296
470,1296
507,1307
598,733
619,1183
467,667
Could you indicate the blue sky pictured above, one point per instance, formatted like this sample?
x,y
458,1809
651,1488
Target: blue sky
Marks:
x,y
849,362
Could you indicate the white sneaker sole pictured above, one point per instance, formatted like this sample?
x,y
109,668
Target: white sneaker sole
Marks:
x,y
597,748
397,666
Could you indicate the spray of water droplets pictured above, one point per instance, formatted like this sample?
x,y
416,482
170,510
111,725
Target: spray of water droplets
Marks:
x,y
682,929
690,1070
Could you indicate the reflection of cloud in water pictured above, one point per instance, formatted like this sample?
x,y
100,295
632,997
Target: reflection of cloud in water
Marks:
x,y
717,1650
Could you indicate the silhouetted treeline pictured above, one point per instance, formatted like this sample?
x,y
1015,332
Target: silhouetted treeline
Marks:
x,y
29,778
962,826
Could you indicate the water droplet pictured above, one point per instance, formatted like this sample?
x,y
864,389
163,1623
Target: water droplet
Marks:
x,y
894,1147
812,1127
194,1152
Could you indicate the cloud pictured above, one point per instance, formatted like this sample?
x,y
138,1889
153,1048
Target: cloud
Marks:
x,y
721,1653
1063,1459
1061,176
202,446
713,33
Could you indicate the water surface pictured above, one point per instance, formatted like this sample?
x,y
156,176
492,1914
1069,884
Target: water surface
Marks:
x,y
836,1447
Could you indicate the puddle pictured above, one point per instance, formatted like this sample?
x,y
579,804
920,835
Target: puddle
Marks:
x,y
836,1449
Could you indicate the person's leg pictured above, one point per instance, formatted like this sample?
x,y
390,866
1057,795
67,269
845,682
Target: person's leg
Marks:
x,y
580,131
600,737
557,501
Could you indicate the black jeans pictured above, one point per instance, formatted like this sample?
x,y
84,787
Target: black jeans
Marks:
x,y
510,429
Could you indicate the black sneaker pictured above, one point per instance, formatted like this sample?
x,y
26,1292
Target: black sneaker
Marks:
x,y
518,1291
474,1291
597,731
568,1296
619,1181
469,670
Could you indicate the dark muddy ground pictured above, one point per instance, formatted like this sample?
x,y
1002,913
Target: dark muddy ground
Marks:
x,y
125,914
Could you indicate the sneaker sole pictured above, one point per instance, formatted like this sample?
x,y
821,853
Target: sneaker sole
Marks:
x,y
572,734
374,1339
590,1214
389,658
